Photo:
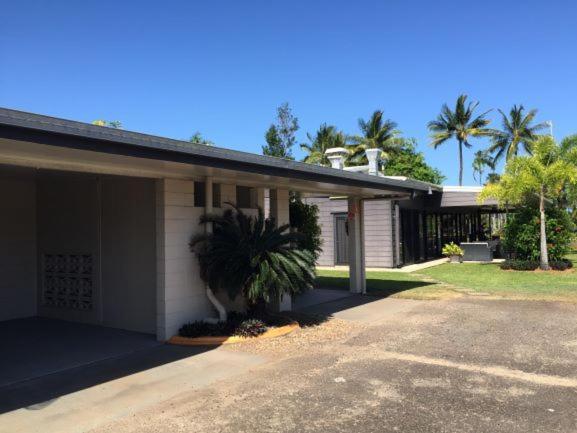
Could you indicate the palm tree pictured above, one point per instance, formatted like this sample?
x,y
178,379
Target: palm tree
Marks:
x,y
460,125
517,132
250,256
376,133
482,160
326,137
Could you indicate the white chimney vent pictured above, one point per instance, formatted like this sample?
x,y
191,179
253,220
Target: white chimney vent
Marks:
x,y
374,157
336,156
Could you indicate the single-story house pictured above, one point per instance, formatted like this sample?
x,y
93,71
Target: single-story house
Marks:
x,y
402,230
95,222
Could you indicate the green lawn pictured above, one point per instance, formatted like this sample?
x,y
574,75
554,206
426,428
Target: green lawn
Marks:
x,y
454,280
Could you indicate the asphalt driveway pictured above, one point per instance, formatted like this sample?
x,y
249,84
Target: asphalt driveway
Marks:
x,y
465,365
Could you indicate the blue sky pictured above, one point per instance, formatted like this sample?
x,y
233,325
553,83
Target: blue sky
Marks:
x,y
222,67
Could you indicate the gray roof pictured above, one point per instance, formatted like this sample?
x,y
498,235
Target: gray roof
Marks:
x,y
51,130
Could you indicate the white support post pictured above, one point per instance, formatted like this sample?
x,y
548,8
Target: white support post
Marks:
x,y
279,210
358,283
208,209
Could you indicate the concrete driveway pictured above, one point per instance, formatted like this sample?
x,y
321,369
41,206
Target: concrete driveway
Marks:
x,y
466,365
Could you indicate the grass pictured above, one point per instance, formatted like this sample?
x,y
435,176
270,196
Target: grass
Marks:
x,y
451,280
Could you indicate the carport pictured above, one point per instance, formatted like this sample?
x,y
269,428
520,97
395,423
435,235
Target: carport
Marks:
x,y
95,224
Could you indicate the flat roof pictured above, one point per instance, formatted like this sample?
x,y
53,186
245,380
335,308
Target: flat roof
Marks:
x,y
23,126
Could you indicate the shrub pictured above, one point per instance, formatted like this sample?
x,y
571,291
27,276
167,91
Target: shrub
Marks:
x,y
521,234
531,265
250,328
304,218
200,328
520,265
251,257
452,249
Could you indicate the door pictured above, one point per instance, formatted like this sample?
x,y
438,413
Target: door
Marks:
x,y
341,240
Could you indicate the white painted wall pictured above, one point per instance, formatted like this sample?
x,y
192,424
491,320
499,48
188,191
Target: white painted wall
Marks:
x,y
181,296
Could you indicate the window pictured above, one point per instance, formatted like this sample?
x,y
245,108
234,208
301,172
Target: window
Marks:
x,y
245,197
216,195
200,194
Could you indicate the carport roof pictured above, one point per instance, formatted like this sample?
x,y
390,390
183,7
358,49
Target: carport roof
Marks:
x,y
19,125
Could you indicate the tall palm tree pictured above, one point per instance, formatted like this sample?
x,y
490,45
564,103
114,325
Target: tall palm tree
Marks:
x,y
326,137
376,133
460,124
482,160
517,132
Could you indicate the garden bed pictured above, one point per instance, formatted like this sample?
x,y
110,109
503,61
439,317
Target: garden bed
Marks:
x,y
238,328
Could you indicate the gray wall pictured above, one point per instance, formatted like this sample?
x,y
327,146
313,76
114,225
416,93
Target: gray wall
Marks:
x,y
378,231
128,254
113,219
18,243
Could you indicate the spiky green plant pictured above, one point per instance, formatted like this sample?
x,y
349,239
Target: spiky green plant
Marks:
x,y
517,131
460,124
249,256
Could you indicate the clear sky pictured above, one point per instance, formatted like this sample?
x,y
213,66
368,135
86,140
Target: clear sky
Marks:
x,y
222,67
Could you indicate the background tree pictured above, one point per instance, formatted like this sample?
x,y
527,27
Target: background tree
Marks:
x,y
304,219
116,124
377,132
326,137
197,138
517,131
280,137
543,174
460,124
406,161
481,161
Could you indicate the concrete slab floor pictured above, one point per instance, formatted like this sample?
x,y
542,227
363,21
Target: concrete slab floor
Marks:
x,y
35,347
86,397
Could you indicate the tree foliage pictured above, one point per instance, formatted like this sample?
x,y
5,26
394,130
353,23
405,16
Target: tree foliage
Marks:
x,y
250,256
326,137
197,138
304,218
407,161
543,174
522,233
517,131
280,136
459,124
115,124
482,160
377,133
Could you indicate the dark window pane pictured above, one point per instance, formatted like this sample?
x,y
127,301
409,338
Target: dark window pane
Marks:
x,y
216,195
243,196
199,194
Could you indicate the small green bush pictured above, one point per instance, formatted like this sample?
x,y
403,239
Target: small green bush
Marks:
x,y
250,328
522,236
531,265
452,249
304,218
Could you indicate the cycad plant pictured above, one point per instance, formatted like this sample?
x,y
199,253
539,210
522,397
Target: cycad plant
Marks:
x,y
249,256
377,133
517,131
460,124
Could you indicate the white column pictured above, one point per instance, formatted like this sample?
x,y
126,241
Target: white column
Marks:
x,y
279,210
181,296
356,246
